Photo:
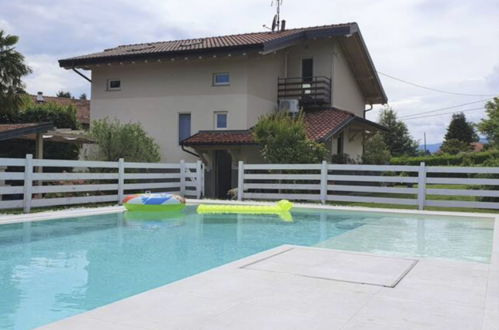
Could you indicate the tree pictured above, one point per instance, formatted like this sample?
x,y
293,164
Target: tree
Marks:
x,y
83,96
12,69
460,129
283,139
376,151
129,141
64,94
490,125
455,146
396,137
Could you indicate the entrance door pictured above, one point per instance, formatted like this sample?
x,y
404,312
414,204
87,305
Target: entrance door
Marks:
x,y
307,69
223,173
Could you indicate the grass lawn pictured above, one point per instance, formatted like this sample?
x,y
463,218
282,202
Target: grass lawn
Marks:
x,y
428,208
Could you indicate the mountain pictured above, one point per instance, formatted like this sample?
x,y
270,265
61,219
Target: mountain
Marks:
x,y
434,147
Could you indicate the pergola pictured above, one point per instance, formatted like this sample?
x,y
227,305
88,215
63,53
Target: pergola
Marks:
x,y
41,132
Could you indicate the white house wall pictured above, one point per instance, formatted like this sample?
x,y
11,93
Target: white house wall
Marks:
x,y
155,93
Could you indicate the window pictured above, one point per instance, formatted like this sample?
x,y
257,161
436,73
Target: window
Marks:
x,y
113,85
220,120
221,79
184,126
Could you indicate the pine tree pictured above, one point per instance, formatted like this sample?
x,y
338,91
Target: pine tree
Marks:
x,y
461,130
396,137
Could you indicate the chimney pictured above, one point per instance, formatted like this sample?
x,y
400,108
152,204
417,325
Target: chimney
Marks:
x,y
283,25
39,97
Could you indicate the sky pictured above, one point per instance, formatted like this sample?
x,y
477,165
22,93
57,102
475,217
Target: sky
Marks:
x,y
450,45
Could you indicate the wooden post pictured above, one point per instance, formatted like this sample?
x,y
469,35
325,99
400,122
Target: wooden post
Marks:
x,y
240,180
121,180
199,179
182,177
28,183
39,150
421,186
323,190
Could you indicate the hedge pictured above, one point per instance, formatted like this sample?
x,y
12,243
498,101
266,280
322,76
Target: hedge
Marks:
x,y
463,159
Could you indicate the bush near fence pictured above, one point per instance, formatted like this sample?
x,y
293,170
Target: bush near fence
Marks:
x,y
472,158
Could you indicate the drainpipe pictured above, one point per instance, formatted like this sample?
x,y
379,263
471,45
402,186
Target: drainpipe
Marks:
x,y
366,110
189,152
333,56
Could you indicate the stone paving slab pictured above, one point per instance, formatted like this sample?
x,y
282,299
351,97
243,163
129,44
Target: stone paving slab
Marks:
x,y
338,266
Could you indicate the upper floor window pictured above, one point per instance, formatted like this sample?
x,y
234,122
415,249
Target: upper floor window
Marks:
x,y
221,79
220,120
184,126
113,85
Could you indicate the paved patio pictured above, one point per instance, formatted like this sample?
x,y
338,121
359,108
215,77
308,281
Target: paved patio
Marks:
x,y
293,287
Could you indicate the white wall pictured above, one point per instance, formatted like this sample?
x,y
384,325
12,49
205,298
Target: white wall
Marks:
x,y
346,92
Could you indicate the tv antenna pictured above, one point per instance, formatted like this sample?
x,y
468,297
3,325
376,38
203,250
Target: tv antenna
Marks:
x,y
276,21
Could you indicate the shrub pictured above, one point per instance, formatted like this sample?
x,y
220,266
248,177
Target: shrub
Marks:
x,y
283,139
116,140
462,159
376,151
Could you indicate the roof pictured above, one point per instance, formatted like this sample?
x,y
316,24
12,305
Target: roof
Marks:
x,y
12,131
348,34
320,125
82,106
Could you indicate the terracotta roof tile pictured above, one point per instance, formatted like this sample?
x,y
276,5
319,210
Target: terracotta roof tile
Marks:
x,y
220,138
186,45
320,123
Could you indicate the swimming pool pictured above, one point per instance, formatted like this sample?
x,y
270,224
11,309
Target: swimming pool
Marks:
x,y
53,269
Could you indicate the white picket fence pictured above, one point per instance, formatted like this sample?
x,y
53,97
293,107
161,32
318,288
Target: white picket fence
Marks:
x,y
408,185
70,182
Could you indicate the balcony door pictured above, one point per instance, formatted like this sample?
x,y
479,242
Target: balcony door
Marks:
x,y
307,69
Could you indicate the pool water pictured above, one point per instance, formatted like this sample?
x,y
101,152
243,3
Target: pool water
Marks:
x,y
53,269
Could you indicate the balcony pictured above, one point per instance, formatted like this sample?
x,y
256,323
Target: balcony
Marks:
x,y
310,91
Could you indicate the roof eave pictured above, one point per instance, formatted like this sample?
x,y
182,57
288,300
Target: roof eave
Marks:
x,y
347,122
17,132
70,63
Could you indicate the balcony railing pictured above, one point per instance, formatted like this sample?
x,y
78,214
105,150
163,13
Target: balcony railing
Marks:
x,y
310,91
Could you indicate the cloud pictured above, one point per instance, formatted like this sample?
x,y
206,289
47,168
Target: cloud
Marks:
x,y
444,44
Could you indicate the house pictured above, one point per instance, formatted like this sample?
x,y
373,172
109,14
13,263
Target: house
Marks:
x,y
82,106
200,97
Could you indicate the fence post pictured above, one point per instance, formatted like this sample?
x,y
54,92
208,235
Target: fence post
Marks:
x,y
199,179
121,180
28,183
421,186
182,177
324,182
240,180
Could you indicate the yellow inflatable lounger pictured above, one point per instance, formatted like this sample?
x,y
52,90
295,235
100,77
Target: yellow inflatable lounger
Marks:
x,y
281,208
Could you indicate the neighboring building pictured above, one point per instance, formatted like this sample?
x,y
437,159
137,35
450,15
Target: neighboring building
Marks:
x,y
202,96
477,146
82,106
